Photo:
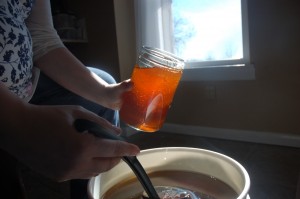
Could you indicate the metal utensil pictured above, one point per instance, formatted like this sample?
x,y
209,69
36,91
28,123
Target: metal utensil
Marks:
x,y
167,192
151,192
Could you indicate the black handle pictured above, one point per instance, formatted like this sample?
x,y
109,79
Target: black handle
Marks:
x,y
97,130
142,176
102,132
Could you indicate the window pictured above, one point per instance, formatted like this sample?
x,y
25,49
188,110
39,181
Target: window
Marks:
x,y
210,35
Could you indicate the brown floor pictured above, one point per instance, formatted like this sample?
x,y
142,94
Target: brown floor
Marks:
x,y
274,170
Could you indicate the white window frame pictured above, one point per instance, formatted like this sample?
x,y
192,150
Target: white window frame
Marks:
x,y
153,17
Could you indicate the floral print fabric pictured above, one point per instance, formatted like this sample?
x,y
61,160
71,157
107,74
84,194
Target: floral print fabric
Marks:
x,y
15,46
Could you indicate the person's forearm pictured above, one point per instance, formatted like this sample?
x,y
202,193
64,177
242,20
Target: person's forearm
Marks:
x,y
68,71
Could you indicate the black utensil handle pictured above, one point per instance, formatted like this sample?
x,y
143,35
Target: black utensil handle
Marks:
x,y
142,176
97,130
82,125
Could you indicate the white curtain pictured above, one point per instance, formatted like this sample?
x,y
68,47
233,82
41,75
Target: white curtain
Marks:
x,y
154,26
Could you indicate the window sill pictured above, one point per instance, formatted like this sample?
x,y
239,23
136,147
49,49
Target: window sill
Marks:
x,y
219,73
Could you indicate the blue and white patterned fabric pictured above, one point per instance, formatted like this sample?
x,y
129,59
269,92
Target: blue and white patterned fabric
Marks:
x,y
16,47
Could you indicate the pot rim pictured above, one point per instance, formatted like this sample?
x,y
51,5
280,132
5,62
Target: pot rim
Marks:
x,y
242,195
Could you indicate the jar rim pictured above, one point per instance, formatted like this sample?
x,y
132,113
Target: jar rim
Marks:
x,y
150,57
162,52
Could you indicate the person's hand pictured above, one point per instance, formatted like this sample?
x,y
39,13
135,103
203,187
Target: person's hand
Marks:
x,y
112,98
45,139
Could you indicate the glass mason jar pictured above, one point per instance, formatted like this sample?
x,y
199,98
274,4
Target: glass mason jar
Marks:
x,y
155,78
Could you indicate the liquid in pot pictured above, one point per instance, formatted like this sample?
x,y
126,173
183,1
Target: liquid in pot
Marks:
x,y
204,187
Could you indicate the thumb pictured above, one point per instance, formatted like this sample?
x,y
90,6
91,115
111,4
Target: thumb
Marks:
x,y
126,85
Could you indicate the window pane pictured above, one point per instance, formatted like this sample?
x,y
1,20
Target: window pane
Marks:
x,y
207,30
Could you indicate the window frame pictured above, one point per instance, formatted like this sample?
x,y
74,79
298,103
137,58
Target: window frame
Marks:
x,y
236,69
127,42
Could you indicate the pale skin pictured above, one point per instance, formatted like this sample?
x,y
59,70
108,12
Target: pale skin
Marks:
x,y
44,138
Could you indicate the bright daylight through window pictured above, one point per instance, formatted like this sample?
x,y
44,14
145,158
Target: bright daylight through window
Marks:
x,y
207,30
202,32
205,33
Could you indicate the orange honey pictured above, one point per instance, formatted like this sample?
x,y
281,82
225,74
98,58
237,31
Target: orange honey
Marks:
x,y
145,106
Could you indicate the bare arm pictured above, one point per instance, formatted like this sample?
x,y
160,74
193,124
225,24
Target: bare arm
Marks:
x,y
59,64
43,137
68,71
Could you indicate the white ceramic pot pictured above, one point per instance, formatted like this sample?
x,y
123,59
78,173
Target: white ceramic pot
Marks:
x,y
197,160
